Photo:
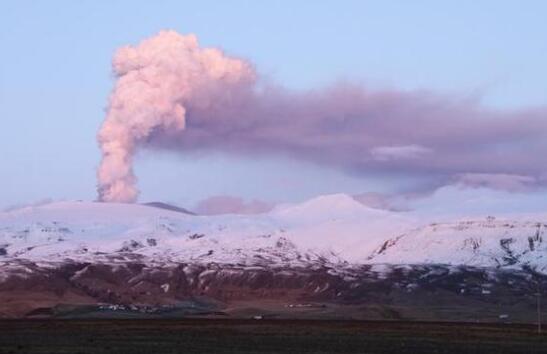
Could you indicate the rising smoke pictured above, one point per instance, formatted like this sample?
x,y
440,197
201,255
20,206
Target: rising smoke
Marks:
x,y
156,82
172,94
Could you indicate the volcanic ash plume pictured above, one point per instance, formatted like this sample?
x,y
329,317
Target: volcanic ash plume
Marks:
x,y
172,95
156,83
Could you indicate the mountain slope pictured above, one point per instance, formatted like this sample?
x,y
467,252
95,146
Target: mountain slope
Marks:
x,y
330,256
490,242
333,228
168,207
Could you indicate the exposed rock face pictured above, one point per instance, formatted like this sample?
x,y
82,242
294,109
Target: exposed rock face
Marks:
x,y
29,286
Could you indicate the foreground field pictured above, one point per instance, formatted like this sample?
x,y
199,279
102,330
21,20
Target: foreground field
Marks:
x,y
263,336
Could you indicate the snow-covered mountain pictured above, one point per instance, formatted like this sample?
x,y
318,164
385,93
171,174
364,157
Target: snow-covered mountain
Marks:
x,y
481,243
331,249
333,228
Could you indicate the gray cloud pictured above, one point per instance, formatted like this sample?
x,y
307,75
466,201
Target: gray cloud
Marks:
x,y
369,132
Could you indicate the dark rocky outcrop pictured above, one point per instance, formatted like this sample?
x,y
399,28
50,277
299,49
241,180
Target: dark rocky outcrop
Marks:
x,y
27,286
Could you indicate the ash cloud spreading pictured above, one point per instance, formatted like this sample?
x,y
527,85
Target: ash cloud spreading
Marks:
x,y
172,94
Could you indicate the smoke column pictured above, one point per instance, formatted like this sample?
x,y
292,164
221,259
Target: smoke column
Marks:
x,y
155,81
171,94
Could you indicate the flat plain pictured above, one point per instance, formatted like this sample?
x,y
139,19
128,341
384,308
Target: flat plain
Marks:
x,y
160,336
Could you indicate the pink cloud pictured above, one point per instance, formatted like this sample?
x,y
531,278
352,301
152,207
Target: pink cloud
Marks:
x,y
224,204
386,153
172,94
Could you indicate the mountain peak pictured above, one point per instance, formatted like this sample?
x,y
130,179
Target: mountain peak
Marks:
x,y
330,203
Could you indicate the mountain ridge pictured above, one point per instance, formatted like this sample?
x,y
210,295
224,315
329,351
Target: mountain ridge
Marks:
x,y
326,257
334,227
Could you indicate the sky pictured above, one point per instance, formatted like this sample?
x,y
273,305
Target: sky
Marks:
x,y
56,77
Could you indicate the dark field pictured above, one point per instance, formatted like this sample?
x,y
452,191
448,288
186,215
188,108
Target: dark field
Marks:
x,y
264,336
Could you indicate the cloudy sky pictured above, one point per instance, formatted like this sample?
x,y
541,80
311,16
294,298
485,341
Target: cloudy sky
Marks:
x,y
425,104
